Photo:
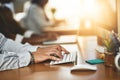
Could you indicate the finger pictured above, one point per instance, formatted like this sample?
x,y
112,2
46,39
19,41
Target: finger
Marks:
x,y
54,58
64,50
57,53
58,47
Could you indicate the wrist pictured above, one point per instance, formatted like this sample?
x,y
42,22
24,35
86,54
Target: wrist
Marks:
x,y
32,60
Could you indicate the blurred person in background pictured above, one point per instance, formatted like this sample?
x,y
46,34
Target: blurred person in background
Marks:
x,y
9,4
11,29
36,18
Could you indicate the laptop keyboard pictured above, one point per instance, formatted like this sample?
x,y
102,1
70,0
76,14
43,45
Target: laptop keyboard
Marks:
x,y
67,58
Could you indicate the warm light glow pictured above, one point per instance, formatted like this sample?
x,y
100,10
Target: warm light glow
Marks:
x,y
88,24
68,10
72,11
89,6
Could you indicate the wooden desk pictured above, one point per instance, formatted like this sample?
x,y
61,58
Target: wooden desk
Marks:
x,y
62,30
43,71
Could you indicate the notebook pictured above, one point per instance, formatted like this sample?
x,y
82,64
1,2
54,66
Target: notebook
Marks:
x,y
63,39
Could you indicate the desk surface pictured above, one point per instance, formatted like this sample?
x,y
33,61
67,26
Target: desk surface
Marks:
x,y
43,71
63,30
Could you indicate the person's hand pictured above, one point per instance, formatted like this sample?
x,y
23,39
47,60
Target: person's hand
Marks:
x,y
46,53
33,41
37,39
46,36
51,36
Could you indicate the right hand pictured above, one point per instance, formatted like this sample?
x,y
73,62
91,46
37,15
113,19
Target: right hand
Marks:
x,y
43,54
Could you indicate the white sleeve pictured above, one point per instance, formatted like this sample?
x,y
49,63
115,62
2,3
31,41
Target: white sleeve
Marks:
x,y
13,46
28,33
14,55
19,38
10,6
39,17
12,60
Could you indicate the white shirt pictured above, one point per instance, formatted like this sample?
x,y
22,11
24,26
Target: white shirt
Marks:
x,y
35,19
14,55
20,37
10,6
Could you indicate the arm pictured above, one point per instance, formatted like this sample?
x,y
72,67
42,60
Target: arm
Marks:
x,y
12,60
15,55
12,46
10,56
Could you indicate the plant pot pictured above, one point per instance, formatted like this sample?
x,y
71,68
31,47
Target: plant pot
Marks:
x,y
109,59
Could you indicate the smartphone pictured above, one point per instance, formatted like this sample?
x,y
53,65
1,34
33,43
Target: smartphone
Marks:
x,y
94,61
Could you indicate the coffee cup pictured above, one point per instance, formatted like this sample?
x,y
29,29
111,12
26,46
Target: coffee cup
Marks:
x,y
117,61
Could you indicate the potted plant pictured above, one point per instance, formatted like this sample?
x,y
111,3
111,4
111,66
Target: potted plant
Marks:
x,y
108,43
109,50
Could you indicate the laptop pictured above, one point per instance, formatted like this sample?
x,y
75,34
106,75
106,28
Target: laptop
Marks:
x,y
63,39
